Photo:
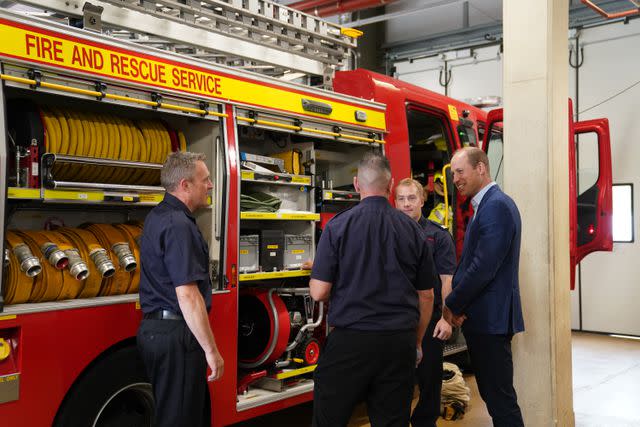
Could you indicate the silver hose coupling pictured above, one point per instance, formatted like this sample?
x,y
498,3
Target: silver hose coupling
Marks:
x,y
77,267
29,264
102,262
54,255
6,257
125,257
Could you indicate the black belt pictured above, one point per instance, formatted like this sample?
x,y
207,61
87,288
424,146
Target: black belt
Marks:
x,y
163,315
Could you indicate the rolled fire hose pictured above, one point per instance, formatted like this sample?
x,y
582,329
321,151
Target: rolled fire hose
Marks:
x,y
113,239
23,267
132,232
99,263
48,284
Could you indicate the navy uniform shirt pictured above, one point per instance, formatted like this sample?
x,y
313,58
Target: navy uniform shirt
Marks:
x,y
172,253
376,257
444,256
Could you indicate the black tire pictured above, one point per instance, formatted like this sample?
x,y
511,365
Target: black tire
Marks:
x,y
114,392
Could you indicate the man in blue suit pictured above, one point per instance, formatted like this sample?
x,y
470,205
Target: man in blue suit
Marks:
x,y
485,298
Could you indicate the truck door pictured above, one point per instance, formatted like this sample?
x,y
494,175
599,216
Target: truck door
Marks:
x,y
590,204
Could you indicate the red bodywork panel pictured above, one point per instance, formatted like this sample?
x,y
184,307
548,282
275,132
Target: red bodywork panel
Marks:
x,y
50,358
603,239
398,95
603,229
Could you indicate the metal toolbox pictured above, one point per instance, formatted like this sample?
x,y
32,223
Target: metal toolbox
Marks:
x,y
249,253
297,249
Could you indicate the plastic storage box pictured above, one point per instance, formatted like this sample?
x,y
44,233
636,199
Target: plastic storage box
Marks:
x,y
297,249
249,253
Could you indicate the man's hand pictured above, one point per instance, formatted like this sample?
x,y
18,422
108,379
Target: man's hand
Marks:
x,y
442,330
453,319
418,355
216,363
307,265
458,320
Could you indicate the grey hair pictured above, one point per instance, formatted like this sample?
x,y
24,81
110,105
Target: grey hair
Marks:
x,y
178,166
374,171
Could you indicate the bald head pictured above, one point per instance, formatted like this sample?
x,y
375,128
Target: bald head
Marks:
x,y
374,174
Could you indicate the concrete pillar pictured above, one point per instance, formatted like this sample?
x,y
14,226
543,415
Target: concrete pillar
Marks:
x,y
536,176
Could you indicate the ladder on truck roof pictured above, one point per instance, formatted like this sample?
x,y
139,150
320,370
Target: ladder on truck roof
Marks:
x,y
257,35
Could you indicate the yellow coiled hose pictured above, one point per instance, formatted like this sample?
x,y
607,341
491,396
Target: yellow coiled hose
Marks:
x,y
132,232
120,252
67,263
23,267
48,284
107,136
97,259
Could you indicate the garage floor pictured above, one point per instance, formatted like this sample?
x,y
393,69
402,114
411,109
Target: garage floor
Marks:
x,y
606,377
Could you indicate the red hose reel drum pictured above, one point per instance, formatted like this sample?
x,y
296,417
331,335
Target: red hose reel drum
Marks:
x,y
263,328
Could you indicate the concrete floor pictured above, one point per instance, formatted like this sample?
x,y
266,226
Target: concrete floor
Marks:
x,y
606,385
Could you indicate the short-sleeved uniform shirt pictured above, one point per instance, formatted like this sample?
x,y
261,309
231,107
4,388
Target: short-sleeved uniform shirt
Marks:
x,y
376,259
444,256
172,253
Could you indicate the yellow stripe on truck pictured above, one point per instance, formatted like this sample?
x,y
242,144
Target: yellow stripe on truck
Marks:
x,y
46,47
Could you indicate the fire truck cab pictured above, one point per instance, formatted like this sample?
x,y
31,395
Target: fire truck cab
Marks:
x,y
425,128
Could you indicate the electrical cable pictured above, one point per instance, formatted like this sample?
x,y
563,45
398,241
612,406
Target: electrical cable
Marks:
x,y
611,97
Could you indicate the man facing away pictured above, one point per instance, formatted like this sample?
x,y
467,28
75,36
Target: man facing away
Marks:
x,y
409,197
375,268
175,337
485,298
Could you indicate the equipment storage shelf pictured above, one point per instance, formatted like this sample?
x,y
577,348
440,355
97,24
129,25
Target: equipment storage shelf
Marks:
x,y
283,216
91,196
286,164
276,178
247,277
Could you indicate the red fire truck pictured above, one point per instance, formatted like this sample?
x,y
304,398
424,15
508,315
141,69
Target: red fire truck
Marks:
x,y
87,120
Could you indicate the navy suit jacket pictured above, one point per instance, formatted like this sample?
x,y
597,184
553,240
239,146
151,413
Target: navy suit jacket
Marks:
x,y
485,284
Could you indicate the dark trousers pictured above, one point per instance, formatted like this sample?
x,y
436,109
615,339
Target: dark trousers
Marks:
x,y
429,375
493,366
375,367
177,367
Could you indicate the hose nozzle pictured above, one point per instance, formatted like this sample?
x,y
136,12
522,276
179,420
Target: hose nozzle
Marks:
x,y
125,257
29,264
54,255
77,267
103,263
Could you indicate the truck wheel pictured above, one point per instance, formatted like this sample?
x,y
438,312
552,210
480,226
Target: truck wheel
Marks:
x,y
114,392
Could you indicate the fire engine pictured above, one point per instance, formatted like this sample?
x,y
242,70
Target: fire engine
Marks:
x,y
93,98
